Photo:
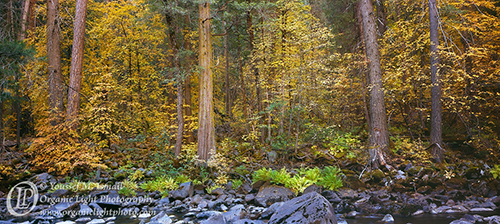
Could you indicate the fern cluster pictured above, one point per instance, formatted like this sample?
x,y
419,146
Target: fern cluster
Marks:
x,y
330,177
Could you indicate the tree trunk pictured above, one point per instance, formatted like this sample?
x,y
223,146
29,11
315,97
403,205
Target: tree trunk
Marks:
x,y
206,131
24,19
227,97
187,89
242,79
379,135
436,138
254,70
180,120
18,115
189,113
75,80
382,18
54,61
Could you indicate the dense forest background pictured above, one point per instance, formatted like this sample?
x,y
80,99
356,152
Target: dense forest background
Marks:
x,y
286,83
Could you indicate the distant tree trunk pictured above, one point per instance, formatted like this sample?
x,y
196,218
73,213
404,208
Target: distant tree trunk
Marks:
x,y
2,133
54,61
188,102
379,135
173,30
227,90
24,19
436,138
254,70
242,79
187,89
18,115
381,17
75,80
206,131
180,120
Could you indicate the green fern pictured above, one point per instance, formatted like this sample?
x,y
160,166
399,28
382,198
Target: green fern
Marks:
x,y
280,177
298,184
331,178
495,171
262,174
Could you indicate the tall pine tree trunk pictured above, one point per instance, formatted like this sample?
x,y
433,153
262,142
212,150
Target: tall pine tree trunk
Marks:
x,y
379,135
206,131
54,61
436,138
75,80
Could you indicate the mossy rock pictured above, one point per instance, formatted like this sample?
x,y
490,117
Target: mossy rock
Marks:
x,y
346,172
120,175
473,173
400,188
414,170
456,182
434,182
424,189
377,175
427,170
353,182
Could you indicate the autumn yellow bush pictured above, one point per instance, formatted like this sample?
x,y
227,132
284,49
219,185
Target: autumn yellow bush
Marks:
x,y
59,149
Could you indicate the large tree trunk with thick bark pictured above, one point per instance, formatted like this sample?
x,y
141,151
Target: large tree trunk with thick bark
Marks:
x,y
206,131
75,80
54,61
379,134
436,138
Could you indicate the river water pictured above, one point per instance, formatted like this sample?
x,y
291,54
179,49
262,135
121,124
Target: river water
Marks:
x,y
421,219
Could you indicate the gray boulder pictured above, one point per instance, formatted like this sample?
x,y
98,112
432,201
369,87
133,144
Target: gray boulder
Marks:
x,y
308,208
271,194
215,219
185,190
248,221
235,213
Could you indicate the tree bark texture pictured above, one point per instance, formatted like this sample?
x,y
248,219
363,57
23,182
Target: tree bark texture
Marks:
x,y
436,133
379,135
54,60
206,131
75,80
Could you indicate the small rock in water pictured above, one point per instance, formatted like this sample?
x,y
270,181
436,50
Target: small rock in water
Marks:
x,y
460,222
161,218
83,220
66,222
97,221
419,212
342,222
109,219
144,216
351,215
388,218
481,210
